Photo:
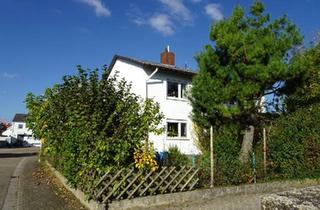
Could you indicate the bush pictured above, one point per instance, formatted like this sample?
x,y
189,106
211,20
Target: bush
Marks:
x,y
89,124
228,169
294,144
176,158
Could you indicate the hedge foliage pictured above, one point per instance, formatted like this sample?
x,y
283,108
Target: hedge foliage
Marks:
x,y
176,158
91,124
228,169
294,144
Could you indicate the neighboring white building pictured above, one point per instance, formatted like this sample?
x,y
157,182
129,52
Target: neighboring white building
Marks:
x,y
19,131
166,84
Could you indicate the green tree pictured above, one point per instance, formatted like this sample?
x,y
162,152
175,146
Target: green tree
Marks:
x,y
248,57
304,89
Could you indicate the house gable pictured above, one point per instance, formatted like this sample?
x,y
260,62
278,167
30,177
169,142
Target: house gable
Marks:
x,y
175,107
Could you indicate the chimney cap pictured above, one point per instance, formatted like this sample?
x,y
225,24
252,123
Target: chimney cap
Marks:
x,y
167,48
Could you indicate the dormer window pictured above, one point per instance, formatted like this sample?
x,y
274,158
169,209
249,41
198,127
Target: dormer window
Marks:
x,y
176,90
20,126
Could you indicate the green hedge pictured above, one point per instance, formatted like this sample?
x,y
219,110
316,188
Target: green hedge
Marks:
x,y
294,144
228,170
90,124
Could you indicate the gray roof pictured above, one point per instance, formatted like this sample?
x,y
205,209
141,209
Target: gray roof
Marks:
x,y
20,118
161,66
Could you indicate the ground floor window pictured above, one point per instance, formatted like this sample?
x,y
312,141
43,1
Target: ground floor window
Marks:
x,y
177,129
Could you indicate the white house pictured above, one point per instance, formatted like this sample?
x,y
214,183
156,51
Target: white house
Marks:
x,y
19,131
166,84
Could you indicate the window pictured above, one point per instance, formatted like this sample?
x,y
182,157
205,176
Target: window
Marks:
x,y
173,129
172,90
177,129
183,93
183,129
20,126
176,90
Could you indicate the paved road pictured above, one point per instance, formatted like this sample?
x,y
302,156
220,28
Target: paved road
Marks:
x,y
26,185
9,159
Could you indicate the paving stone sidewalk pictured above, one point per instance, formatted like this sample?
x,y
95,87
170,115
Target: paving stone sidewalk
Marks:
x,y
300,199
39,190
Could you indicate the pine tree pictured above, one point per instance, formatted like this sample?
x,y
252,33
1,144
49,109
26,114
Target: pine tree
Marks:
x,y
249,55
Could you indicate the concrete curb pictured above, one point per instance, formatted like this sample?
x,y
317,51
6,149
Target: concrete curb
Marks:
x,y
92,205
203,194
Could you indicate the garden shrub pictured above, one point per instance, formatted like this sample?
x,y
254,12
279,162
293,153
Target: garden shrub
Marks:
x,y
227,146
228,169
294,144
88,124
176,158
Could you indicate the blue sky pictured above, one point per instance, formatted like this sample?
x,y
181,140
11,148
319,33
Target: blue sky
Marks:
x,y
42,40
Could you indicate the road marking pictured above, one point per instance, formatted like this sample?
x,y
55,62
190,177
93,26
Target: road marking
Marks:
x,y
12,198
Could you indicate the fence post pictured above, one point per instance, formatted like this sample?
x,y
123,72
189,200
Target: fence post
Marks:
x,y
264,151
211,156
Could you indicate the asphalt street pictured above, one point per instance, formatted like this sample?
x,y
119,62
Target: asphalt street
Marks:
x,y
27,185
9,160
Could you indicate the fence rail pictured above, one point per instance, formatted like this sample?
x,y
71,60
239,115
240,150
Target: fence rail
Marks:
x,y
128,183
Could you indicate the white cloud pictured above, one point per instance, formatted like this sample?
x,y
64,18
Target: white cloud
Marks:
x,y
214,11
165,19
162,23
136,15
139,21
177,8
98,6
7,75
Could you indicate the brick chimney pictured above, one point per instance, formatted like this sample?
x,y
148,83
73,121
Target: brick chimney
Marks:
x,y
167,57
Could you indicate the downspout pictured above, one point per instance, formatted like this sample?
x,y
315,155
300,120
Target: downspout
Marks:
x,y
151,75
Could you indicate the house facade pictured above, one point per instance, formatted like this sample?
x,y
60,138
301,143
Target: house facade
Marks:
x,y
166,84
19,131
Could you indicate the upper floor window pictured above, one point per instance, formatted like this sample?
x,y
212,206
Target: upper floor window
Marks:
x,y
172,89
183,90
20,126
176,90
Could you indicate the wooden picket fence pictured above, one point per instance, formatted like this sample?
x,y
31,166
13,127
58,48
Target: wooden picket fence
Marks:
x,y
128,183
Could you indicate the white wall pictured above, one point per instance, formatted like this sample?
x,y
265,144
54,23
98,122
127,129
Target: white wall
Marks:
x,y
14,131
174,109
20,131
131,73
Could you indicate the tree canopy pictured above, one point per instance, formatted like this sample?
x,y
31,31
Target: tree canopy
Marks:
x,y
304,89
249,55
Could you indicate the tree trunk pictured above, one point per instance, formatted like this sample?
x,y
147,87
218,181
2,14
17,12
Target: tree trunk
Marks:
x,y
246,146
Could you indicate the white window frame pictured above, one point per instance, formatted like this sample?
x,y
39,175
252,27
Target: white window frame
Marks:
x,y
179,137
180,83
